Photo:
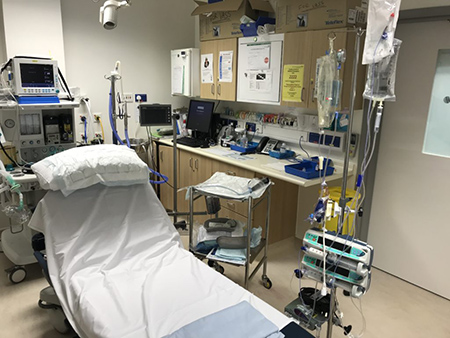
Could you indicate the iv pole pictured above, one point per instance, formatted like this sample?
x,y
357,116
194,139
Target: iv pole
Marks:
x,y
343,199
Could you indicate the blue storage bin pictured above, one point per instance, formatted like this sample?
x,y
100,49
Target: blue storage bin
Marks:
x,y
251,147
251,29
278,154
308,169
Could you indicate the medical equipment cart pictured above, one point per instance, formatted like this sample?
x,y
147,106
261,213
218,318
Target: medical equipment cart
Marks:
x,y
252,253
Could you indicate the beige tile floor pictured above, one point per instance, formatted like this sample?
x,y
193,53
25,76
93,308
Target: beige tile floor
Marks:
x,y
392,307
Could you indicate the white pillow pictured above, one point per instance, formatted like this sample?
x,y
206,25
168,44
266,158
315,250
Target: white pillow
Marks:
x,y
83,167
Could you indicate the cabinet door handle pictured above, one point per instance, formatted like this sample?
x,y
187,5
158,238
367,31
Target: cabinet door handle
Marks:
x,y
161,156
190,163
303,94
212,88
196,163
231,173
219,89
231,205
312,90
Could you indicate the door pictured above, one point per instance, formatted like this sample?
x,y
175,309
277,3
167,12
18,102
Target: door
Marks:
x,y
297,51
166,168
437,136
194,169
226,81
208,50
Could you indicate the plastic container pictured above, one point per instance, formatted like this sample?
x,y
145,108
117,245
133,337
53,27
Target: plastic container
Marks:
x,y
308,169
251,147
244,141
281,155
335,195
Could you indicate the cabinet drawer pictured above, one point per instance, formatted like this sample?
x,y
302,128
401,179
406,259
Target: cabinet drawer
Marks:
x,y
224,212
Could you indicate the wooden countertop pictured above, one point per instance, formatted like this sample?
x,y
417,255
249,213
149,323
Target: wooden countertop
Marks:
x,y
258,163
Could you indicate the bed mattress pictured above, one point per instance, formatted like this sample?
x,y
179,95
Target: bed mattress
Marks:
x,y
119,269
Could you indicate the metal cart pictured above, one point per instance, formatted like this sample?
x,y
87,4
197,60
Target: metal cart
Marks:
x,y
252,254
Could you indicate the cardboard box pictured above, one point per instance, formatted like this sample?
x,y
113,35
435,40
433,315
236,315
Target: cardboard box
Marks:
x,y
222,20
302,15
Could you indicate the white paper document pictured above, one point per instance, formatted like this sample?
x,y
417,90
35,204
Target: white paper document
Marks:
x,y
258,57
177,80
276,165
218,151
207,68
260,81
226,66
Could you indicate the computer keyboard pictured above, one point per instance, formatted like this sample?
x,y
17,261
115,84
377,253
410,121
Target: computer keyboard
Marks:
x,y
191,142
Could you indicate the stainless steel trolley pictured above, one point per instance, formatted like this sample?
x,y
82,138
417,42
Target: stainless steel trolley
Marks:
x,y
252,254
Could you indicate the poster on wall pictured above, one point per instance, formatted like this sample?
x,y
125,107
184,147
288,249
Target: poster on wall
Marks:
x,y
293,83
207,68
226,66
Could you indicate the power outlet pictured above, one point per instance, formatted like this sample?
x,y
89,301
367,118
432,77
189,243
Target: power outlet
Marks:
x,y
249,126
128,97
97,116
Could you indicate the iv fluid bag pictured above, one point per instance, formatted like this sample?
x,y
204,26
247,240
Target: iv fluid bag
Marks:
x,y
328,90
380,83
382,19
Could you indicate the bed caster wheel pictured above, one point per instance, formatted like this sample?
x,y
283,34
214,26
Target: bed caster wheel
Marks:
x,y
267,283
59,321
219,269
17,274
211,263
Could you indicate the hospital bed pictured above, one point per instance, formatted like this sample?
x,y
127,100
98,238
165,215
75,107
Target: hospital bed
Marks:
x,y
119,269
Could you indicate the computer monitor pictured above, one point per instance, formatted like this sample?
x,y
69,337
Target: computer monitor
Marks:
x,y
199,116
155,115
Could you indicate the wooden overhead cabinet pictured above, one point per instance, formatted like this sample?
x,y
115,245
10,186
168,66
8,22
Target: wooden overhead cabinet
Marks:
x,y
218,69
304,48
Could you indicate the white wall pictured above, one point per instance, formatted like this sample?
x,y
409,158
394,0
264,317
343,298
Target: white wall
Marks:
x,y
142,41
409,224
34,28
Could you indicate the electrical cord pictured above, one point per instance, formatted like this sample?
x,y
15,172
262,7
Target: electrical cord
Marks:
x,y
101,125
85,131
301,147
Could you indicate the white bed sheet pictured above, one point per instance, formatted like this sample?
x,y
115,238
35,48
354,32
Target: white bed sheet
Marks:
x,y
119,269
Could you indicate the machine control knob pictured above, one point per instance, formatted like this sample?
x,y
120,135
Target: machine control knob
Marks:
x,y
38,142
31,142
24,142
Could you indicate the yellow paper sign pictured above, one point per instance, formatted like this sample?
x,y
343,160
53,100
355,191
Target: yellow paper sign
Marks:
x,y
293,82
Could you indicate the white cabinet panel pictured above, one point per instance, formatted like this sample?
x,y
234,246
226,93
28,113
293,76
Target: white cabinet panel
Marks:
x,y
259,69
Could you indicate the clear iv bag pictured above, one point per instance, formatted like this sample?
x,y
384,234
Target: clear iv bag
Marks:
x,y
382,20
380,83
328,89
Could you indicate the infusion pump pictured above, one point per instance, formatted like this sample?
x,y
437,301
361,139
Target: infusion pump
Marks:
x,y
38,131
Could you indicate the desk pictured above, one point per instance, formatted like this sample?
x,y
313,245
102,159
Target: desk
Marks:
x,y
293,198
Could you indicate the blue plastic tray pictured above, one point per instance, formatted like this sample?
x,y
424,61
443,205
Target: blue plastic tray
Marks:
x,y
307,169
251,147
278,154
